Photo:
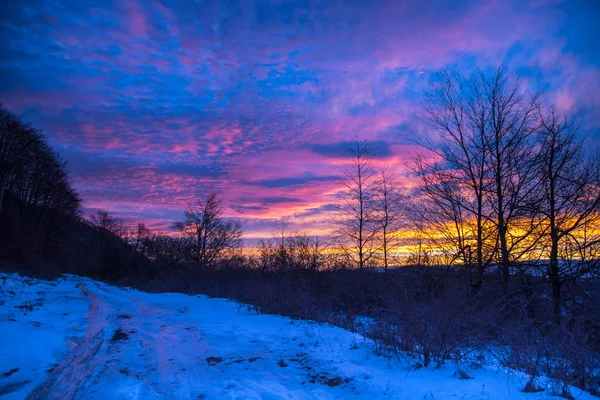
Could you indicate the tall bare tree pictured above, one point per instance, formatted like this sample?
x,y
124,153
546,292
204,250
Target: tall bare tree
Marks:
x,y
284,244
457,169
570,195
486,124
212,234
389,202
510,138
357,226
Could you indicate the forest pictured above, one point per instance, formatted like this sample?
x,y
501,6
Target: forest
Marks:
x,y
488,248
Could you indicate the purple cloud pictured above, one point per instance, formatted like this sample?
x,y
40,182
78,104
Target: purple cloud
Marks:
x,y
155,103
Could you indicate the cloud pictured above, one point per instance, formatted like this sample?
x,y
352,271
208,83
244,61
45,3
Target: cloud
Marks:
x,y
155,103
293,181
379,148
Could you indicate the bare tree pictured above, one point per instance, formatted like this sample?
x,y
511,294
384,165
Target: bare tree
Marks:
x,y
284,245
265,254
357,226
486,126
420,256
140,237
456,109
212,234
439,213
570,196
389,198
106,222
169,251
510,132
306,251
315,251
290,250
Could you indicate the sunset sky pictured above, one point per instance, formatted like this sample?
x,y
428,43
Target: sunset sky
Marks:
x,y
154,103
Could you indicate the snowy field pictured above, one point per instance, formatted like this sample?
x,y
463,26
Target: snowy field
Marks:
x,y
75,338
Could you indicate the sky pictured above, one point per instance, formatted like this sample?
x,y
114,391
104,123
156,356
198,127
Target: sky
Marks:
x,y
154,103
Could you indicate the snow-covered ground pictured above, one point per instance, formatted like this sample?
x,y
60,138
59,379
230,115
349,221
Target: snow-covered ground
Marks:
x,y
75,338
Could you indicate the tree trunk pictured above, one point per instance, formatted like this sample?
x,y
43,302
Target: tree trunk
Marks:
x,y
204,240
199,247
505,260
555,277
360,228
385,259
502,231
480,270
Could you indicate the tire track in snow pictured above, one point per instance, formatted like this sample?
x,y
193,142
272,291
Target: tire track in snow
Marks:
x,y
173,351
83,359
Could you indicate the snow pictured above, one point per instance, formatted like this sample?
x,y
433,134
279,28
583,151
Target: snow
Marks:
x,y
78,338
